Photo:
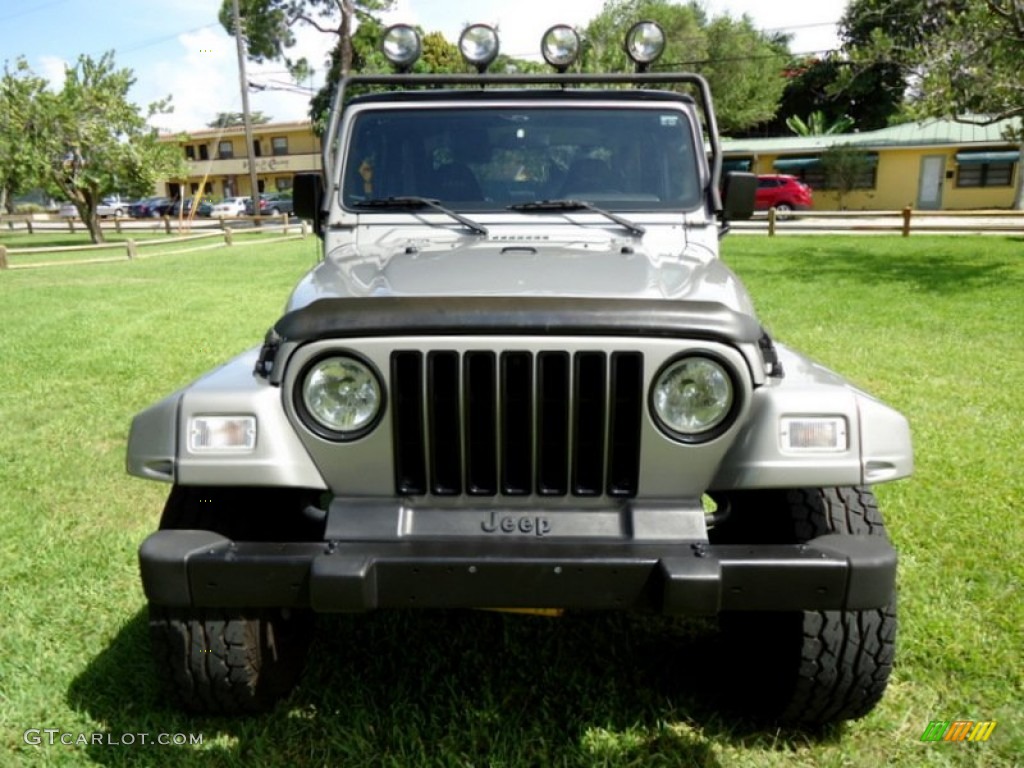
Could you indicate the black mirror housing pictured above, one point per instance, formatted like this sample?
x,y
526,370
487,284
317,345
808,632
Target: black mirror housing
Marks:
x,y
738,194
308,197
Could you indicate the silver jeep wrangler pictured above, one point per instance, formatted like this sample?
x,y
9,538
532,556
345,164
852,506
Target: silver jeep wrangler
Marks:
x,y
522,378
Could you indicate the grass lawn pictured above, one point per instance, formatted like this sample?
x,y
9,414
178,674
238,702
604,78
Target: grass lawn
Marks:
x,y
930,324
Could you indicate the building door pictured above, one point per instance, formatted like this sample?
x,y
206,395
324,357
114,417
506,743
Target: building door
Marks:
x,y
933,174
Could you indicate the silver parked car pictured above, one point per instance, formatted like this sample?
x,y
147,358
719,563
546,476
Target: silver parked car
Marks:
x,y
522,378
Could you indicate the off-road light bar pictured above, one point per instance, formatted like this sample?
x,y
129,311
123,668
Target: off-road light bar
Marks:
x,y
401,46
221,433
645,42
478,44
560,46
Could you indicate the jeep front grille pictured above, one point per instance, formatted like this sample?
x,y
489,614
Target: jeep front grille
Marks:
x,y
516,423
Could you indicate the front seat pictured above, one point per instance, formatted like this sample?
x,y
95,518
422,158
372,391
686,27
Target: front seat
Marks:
x,y
588,174
455,181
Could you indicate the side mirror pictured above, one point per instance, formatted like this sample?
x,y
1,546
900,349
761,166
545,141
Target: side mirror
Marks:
x,y
308,197
738,194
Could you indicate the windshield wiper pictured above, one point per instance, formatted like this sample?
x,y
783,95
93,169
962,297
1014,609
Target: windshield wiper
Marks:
x,y
413,201
577,205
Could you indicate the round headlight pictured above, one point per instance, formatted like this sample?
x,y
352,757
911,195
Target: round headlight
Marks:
x,y
692,396
479,45
401,46
560,46
342,395
645,42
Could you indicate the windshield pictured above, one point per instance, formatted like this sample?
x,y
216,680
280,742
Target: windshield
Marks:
x,y
630,158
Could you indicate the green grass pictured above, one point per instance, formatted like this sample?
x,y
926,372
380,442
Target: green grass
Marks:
x,y
931,325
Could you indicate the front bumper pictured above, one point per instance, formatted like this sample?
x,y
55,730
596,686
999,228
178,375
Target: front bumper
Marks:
x,y
193,568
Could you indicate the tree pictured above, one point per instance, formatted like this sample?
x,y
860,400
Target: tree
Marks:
x,y
818,125
742,65
844,168
268,27
231,119
965,65
88,140
19,170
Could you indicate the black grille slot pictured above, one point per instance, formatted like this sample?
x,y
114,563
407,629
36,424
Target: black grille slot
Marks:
x,y
588,424
445,420
481,398
517,423
627,397
407,394
552,423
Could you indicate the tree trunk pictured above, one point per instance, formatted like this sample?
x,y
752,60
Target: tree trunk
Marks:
x,y
87,210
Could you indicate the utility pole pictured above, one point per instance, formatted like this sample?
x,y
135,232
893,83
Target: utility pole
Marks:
x,y
243,82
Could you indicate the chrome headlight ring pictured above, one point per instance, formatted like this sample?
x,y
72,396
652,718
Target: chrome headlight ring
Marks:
x,y
339,396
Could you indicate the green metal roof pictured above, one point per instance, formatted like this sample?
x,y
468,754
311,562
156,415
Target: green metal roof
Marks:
x,y
934,132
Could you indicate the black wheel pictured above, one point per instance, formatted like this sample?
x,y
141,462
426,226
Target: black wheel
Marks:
x,y
220,661
807,668
234,660
275,212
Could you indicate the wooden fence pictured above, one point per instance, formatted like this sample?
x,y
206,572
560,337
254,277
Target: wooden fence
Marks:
x,y
905,222
33,224
132,247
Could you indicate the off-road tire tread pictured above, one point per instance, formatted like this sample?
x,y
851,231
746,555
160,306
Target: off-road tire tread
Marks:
x,y
845,657
218,661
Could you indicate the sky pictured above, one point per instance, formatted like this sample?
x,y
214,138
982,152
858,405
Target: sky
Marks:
x,y
178,48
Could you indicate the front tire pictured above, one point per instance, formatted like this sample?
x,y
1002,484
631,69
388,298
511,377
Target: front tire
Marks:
x,y
234,660
807,668
219,661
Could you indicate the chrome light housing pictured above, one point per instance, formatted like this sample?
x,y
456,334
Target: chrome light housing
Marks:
x,y
645,42
560,46
339,397
401,46
694,398
478,44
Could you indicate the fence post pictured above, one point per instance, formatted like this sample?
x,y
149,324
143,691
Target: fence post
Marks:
x,y
305,228
132,252
71,224
167,224
906,221
29,222
284,222
3,257
771,221
117,224
228,239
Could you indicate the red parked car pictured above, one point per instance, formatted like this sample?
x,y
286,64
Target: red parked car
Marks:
x,y
784,193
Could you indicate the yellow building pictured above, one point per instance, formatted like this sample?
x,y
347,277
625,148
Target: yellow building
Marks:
x,y
219,163
931,165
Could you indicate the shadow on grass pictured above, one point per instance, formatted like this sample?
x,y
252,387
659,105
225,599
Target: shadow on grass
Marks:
x,y
452,688
947,270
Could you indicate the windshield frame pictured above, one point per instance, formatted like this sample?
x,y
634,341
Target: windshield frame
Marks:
x,y
680,106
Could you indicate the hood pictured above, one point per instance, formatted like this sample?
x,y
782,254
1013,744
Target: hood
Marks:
x,y
573,263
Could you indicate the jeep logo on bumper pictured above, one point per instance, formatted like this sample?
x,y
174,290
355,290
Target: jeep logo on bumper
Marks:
x,y
521,524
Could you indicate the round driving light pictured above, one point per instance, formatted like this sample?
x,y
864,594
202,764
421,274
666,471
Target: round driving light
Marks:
x,y
691,397
479,45
560,46
401,46
343,396
645,42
